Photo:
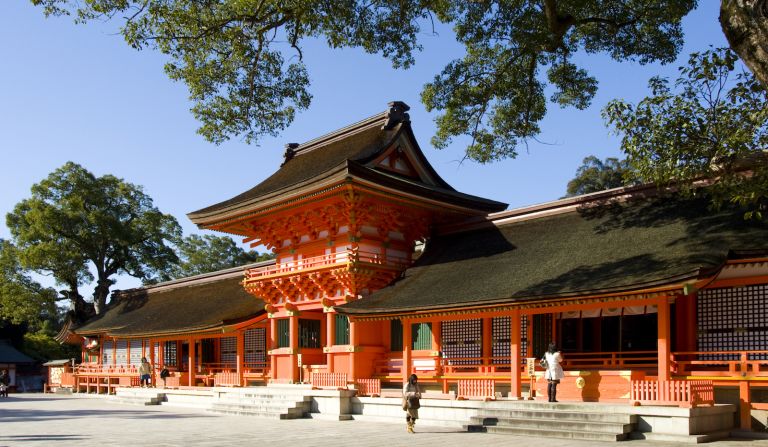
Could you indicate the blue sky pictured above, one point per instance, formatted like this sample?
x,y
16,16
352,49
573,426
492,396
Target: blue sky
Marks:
x,y
79,93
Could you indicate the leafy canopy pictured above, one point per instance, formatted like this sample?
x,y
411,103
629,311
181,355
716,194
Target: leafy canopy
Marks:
x,y
712,123
204,254
242,62
595,175
23,301
79,227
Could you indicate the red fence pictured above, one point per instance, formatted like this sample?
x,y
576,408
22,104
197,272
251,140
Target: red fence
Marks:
x,y
368,387
329,380
685,393
473,389
226,379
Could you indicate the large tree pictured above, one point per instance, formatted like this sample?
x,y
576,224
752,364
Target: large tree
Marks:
x,y
595,175
80,228
208,253
23,301
711,124
242,59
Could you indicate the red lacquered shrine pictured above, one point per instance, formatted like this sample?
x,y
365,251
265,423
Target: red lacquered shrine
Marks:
x,y
342,214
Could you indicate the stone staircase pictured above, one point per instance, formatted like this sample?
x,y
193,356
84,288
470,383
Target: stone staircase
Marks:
x,y
554,420
266,402
137,396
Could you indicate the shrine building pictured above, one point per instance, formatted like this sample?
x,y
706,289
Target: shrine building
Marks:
x,y
382,269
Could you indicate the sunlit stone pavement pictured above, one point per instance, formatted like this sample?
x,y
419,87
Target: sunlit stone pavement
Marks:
x,y
59,421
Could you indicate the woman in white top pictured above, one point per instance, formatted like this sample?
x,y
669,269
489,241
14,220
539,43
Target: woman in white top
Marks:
x,y
554,371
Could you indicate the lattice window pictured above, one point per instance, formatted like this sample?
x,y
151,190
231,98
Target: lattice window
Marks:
x,y
156,351
500,340
422,336
107,349
283,333
256,347
523,337
309,333
542,333
342,330
136,352
395,335
170,356
228,346
733,319
462,342
121,353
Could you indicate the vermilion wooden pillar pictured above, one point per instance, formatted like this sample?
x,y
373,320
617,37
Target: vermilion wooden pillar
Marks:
x,y
191,361
407,349
330,331
240,355
663,338
487,340
353,341
745,412
294,337
515,391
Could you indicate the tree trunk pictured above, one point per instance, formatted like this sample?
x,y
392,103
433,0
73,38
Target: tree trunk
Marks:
x,y
100,294
745,24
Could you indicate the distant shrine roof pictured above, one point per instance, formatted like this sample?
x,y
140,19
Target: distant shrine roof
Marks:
x,y
195,304
345,153
569,248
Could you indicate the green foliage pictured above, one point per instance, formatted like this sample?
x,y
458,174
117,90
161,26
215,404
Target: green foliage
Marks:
x,y
42,345
22,300
204,254
595,175
242,60
76,223
712,125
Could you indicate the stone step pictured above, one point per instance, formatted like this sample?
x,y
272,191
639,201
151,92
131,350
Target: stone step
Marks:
x,y
137,400
622,418
263,398
550,433
554,424
278,407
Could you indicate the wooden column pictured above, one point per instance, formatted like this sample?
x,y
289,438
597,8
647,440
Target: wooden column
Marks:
x,y
353,342
745,406
114,351
191,361
516,389
240,355
663,338
486,337
330,331
294,338
272,345
406,349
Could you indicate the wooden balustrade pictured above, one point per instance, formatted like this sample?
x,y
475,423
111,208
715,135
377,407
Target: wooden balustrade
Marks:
x,y
329,380
473,389
368,387
226,379
331,259
684,393
723,363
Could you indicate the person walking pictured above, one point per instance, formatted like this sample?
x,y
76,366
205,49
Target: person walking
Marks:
x,y
411,402
145,372
5,381
554,371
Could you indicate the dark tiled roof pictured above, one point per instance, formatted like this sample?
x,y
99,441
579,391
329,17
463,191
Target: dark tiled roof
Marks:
x,y
177,309
614,247
9,354
311,163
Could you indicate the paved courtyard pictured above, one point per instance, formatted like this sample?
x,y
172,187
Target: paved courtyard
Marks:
x,y
59,421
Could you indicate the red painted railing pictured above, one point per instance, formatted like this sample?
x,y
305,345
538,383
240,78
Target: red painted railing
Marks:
x,y
473,389
685,393
728,363
331,259
329,380
226,379
368,387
